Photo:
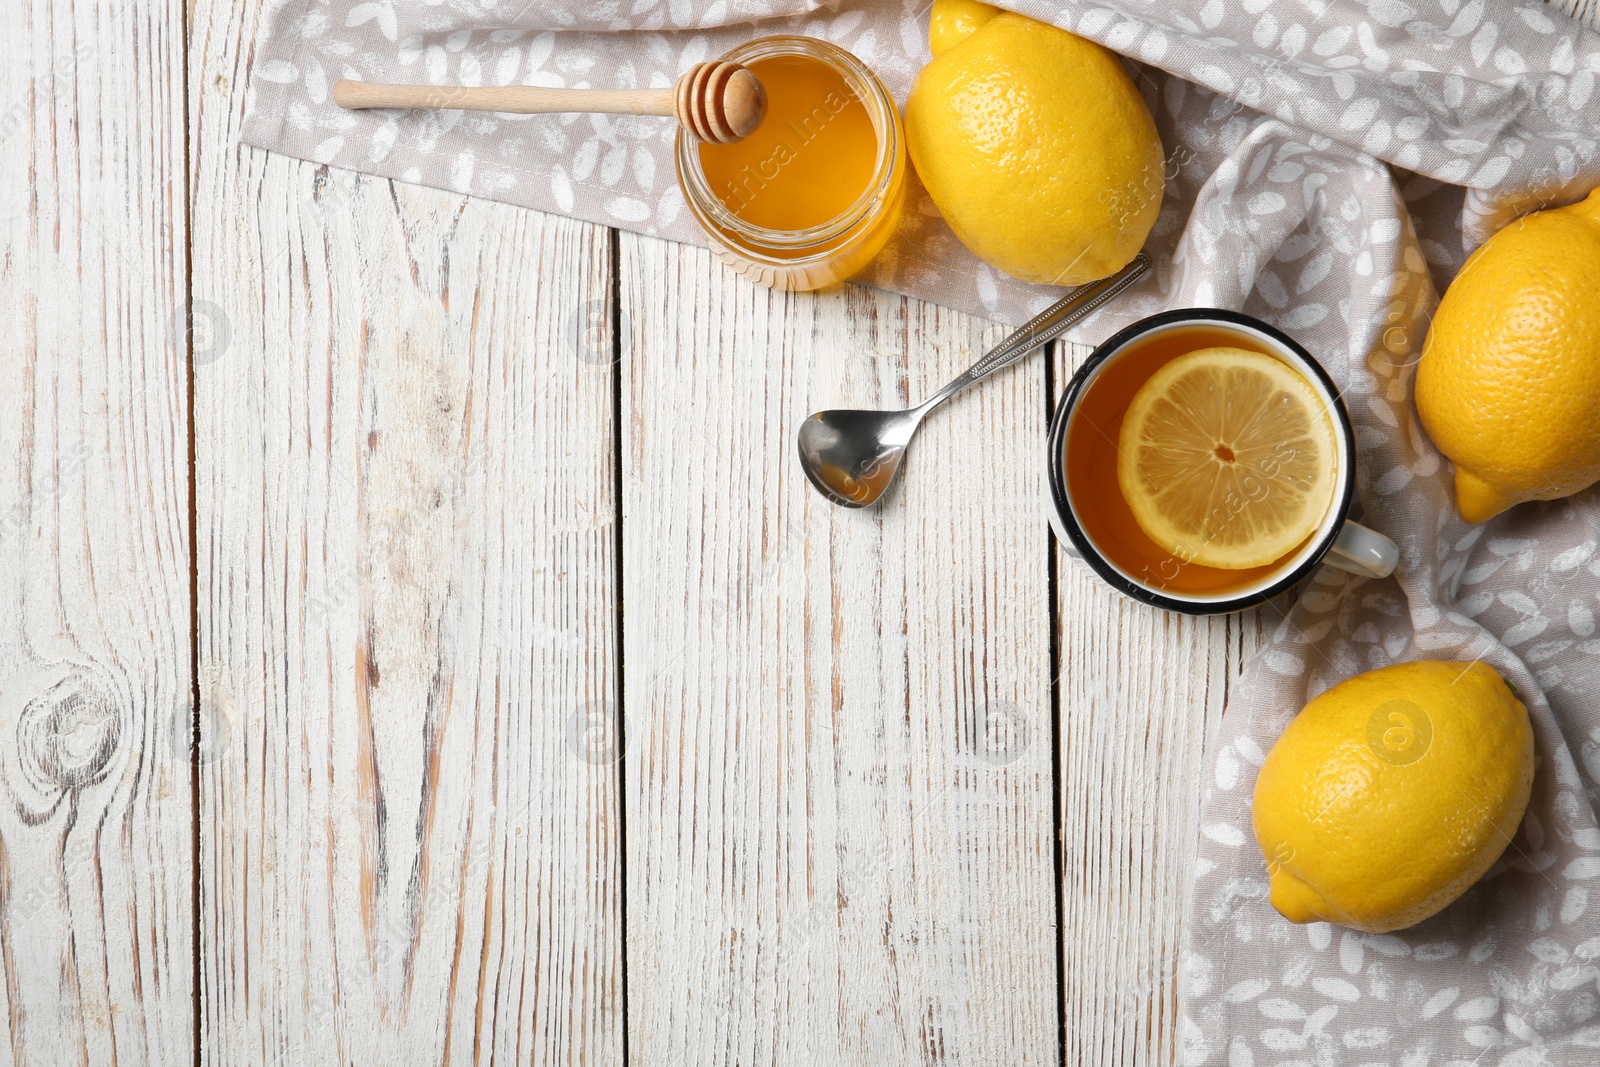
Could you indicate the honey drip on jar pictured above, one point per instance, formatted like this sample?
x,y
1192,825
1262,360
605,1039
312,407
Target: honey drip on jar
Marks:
x,y
812,157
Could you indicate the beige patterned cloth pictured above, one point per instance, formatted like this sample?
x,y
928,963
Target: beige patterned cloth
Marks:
x,y
1330,163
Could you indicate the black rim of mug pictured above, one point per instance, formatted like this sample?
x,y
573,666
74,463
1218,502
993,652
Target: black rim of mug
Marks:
x,y
1058,467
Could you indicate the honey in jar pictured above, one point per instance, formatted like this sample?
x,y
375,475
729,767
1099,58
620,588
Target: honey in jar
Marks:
x,y
810,159
814,193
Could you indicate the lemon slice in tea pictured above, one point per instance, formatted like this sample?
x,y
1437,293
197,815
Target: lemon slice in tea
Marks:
x,y
1227,458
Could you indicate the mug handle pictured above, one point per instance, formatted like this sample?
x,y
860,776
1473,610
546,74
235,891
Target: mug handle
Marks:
x,y
1359,550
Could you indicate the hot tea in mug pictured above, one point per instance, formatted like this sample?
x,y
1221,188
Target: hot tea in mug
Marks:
x,y
1203,461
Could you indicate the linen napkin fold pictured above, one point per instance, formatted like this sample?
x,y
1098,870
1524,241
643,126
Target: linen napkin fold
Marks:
x,y
1330,163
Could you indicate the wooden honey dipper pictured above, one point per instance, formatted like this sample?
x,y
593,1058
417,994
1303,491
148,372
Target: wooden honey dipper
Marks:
x,y
718,102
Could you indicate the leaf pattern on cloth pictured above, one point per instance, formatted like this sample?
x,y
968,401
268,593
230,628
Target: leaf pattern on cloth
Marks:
x,y
1496,99
1330,163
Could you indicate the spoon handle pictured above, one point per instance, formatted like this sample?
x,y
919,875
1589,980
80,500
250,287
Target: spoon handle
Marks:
x,y
513,99
1045,326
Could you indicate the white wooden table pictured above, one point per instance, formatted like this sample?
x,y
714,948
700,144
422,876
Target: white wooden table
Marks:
x,y
545,714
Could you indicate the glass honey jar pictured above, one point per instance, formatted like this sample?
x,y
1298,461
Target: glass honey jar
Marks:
x,y
815,192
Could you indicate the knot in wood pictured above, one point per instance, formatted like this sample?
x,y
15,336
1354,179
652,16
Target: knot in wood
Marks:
x,y
67,735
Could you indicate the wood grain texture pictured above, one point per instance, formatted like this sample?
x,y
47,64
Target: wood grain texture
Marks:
x,y
839,745
409,833
838,786
1141,695
95,871
1586,11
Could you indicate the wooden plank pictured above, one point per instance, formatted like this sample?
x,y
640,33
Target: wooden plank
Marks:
x,y
839,768
95,817
409,834
1141,695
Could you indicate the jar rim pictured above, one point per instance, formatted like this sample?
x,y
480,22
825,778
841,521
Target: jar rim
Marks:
x,y
873,96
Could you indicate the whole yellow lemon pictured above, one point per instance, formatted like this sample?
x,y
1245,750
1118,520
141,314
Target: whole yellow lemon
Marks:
x,y
1508,386
1391,793
1035,145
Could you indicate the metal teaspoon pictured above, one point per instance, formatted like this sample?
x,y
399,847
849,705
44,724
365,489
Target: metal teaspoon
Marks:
x,y
853,456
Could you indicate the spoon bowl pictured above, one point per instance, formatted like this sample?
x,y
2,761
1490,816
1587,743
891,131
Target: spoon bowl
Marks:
x,y
852,456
